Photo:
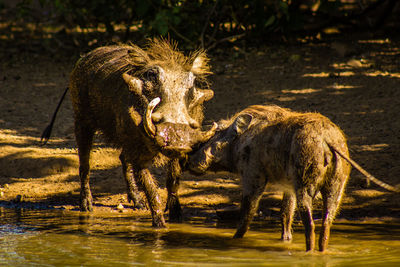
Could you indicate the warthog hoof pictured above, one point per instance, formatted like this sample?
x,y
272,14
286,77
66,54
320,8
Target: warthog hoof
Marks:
x,y
86,205
138,201
175,210
159,222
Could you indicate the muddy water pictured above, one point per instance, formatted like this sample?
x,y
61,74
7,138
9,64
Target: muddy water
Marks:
x,y
66,238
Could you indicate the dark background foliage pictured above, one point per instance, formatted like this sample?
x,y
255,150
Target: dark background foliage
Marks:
x,y
197,23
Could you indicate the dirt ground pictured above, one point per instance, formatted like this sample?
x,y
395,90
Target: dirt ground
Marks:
x,y
352,80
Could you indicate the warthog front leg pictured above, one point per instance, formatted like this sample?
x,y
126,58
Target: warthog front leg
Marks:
x,y
133,190
144,179
253,188
173,205
287,212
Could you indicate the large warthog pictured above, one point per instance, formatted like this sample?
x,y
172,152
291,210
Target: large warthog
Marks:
x,y
144,101
304,153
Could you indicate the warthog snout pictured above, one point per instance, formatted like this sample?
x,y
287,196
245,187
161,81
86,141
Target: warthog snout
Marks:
x,y
158,117
178,139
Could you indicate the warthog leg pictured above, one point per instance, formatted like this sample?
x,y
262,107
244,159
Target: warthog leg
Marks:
x,y
173,205
133,190
253,188
304,203
84,140
332,195
287,212
144,179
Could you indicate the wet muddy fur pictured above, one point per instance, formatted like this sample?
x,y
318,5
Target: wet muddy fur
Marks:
x,y
304,153
144,101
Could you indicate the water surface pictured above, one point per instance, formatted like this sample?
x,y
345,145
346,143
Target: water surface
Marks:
x,y
68,238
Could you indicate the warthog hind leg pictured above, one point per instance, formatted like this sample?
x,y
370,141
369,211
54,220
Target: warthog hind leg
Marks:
x,y
331,198
287,212
84,139
304,203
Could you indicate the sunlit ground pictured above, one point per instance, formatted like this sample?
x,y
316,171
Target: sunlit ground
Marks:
x,y
353,82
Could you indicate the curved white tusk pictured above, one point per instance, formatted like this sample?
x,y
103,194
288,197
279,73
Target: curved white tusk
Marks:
x,y
148,123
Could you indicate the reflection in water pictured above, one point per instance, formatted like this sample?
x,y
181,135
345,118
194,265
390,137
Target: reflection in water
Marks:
x,y
50,238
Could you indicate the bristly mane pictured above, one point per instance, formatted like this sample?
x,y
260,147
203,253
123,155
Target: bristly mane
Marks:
x,y
134,60
164,52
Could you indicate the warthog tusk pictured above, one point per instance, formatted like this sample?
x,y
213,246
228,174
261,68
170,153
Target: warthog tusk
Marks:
x,y
148,123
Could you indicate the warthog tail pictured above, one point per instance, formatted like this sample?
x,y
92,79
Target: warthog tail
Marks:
x,y
47,132
364,172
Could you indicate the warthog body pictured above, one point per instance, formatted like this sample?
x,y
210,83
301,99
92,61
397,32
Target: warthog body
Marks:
x,y
144,101
304,153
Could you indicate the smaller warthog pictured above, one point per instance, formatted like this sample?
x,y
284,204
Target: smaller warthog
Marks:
x,y
304,153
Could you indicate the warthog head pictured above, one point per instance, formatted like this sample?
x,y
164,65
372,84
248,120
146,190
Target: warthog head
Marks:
x,y
172,88
215,153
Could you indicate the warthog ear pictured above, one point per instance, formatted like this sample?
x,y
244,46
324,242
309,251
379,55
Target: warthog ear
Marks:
x,y
200,64
241,123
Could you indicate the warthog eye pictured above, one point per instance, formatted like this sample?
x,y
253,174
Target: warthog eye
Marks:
x,y
151,75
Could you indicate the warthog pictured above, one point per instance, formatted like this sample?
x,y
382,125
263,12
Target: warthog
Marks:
x,y
144,101
304,153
